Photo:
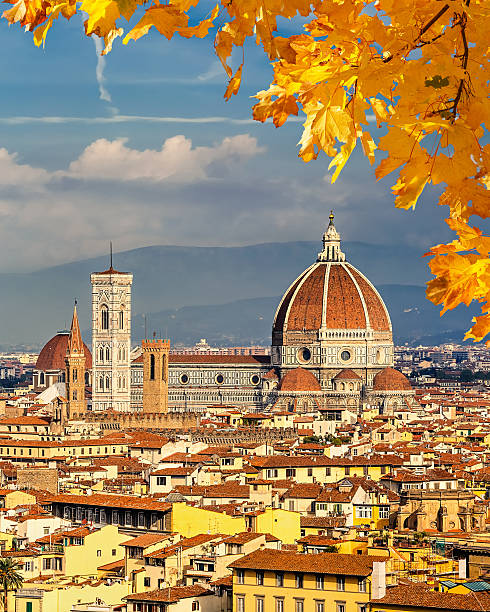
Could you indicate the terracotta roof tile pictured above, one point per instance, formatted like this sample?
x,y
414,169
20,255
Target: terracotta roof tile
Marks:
x,y
321,563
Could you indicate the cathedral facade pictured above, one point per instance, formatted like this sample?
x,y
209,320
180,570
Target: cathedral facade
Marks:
x,y
332,348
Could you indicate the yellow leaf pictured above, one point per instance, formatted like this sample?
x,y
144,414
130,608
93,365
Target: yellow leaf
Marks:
x,y
166,19
234,84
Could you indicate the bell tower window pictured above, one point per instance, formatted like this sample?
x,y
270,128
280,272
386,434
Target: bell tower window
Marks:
x,y
104,317
152,367
121,319
75,375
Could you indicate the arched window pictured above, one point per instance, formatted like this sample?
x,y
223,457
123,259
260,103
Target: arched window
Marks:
x,y
101,383
107,354
124,382
104,317
107,383
101,354
121,319
42,378
74,375
119,383
163,367
152,367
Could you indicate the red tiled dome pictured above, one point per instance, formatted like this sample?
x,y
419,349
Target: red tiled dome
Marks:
x,y
390,379
300,379
331,295
52,356
347,374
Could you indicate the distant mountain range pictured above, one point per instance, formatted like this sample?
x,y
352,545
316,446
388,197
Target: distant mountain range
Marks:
x,y
218,293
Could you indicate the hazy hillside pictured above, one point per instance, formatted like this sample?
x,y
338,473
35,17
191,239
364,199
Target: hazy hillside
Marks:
x,y
414,320
33,306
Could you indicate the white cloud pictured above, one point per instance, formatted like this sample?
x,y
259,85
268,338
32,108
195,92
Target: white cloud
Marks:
x,y
117,118
14,173
176,160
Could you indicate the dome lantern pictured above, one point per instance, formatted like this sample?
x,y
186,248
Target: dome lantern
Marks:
x,y
331,244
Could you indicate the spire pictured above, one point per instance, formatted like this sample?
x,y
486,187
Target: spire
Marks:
x,y
75,343
331,243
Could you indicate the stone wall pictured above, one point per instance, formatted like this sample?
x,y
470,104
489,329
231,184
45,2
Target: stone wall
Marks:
x,y
44,479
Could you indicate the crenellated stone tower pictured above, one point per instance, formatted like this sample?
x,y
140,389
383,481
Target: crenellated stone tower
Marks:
x,y
75,370
155,375
111,339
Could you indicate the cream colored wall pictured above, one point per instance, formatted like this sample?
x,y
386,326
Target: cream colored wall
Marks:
x,y
62,599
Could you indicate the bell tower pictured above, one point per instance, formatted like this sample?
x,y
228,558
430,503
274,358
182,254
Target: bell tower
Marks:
x,y
111,339
75,370
155,375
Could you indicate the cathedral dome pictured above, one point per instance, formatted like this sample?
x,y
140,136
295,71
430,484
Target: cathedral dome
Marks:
x,y
300,379
331,294
53,353
390,379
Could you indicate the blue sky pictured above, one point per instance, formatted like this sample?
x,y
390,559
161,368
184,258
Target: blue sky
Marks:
x,y
166,160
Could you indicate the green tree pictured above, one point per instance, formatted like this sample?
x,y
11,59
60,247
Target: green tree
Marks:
x,y
10,579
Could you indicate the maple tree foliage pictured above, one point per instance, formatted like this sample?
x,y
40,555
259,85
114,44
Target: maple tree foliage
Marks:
x,y
419,67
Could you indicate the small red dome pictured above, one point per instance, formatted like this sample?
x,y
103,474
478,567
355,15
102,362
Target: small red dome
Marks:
x,y
300,379
347,374
52,355
390,379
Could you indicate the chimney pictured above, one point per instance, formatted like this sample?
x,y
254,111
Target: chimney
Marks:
x,y
378,580
462,569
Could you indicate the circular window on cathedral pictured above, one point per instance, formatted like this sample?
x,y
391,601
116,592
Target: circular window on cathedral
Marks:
x,y
304,355
220,379
345,355
184,379
255,379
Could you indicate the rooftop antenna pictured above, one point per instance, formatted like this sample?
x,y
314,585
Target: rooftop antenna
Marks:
x,y
111,254
144,317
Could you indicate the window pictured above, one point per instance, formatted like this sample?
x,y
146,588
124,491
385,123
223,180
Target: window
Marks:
x,y
328,471
104,311
310,471
279,604
161,481
74,394
299,605
320,580
340,606
28,606
364,511
290,473
152,367
121,319
164,367
74,375
146,582
259,578
340,583
361,607
319,606
240,576
347,470
299,581
280,579
46,530
384,512
107,383
362,585
240,604
259,604
195,605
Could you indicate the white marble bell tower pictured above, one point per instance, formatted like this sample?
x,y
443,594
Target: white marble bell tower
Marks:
x,y
111,339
